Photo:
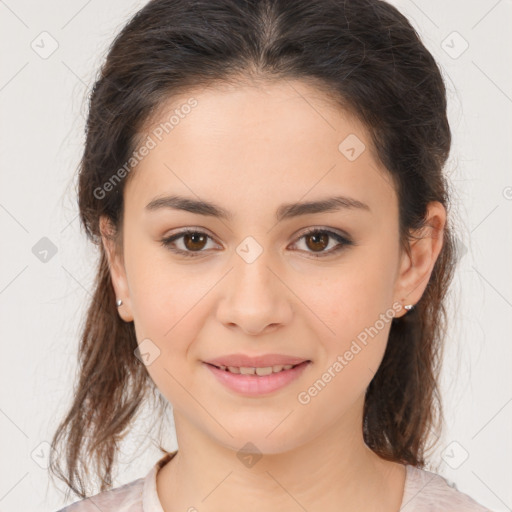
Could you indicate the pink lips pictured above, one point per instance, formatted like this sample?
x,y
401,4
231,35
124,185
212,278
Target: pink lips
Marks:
x,y
255,385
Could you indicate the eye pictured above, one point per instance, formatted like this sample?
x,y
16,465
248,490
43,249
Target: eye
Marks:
x,y
193,241
316,241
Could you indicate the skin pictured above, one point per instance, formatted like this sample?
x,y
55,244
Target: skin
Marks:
x,y
249,149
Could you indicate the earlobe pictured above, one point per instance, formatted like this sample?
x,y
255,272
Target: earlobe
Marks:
x,y
416,266
117,271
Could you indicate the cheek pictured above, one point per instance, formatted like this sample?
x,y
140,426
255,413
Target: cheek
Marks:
x,y
165,304
355,306
355,295
167,310
354,309
161,292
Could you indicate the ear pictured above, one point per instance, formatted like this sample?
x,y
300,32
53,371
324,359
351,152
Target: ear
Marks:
x,y
116,266
416,267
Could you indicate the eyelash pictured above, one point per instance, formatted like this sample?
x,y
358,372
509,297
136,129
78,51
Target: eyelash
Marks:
x,y
343,242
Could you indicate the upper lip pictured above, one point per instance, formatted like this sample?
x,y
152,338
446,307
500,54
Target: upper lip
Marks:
x,y
262,361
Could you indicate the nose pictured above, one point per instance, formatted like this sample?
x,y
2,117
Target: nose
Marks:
x,y
254,298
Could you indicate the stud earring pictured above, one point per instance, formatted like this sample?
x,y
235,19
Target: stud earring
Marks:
x,y
408,307
119,302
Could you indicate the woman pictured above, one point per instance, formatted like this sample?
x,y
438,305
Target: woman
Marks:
x,y
264,182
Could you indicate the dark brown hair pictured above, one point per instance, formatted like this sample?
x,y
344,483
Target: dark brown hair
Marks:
x,y
363,53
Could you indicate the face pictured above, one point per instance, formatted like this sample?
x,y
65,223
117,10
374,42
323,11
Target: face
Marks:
x,y
321,285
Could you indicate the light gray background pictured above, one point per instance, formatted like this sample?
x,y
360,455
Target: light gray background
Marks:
x,y
43,104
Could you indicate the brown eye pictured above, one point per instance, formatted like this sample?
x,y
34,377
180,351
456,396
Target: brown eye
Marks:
x,y
194,241
187,243
319,241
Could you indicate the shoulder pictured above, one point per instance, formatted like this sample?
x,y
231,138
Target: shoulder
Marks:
x,y
426,491
136,496
125,498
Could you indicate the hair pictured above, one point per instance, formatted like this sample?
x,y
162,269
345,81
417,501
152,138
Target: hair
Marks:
x,y
363,53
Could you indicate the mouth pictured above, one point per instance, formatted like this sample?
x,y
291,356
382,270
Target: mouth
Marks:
x,y
259,371
256,381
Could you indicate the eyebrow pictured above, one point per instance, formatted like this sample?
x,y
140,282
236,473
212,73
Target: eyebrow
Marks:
x,y
284,212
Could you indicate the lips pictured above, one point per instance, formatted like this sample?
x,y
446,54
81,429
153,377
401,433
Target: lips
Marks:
x,y
256,385
261,361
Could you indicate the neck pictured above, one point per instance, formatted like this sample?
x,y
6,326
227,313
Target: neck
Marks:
x,y
332,471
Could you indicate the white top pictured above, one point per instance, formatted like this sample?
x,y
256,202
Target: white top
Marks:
x,y
424,492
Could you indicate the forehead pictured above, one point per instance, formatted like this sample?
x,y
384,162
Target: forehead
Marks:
x,y
253,143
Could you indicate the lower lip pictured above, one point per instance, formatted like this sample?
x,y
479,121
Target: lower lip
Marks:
x,y
254,385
